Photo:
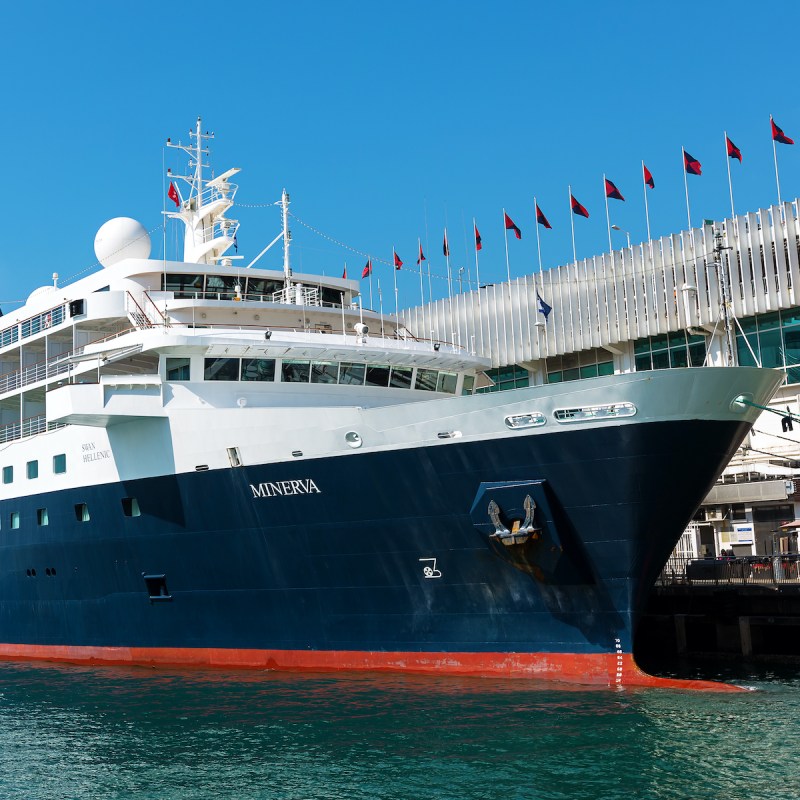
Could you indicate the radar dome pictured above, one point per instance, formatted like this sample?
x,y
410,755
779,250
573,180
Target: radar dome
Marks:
x,y
121,238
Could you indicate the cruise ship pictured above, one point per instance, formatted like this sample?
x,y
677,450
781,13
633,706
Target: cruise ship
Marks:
x,y
212,464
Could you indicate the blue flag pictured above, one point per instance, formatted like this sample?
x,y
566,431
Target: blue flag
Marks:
x,y
542,307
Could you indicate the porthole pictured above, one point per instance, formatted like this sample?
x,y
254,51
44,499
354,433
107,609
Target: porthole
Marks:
x,y
353,439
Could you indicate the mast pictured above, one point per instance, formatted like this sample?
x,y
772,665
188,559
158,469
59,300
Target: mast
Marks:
x,y
287,239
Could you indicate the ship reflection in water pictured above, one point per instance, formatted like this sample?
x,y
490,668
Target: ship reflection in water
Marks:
x,y
83,732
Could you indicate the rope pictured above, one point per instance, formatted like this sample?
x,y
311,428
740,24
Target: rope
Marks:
x,y
793,417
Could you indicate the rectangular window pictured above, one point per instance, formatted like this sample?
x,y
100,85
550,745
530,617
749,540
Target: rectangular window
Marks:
x,y
60,464
221,369
13,519
8,474
377,375
401,377
81,512
184,285
258,369
352,374
177,369
41,516
295,371
468,385
130,507
324,372
447,382
426,380
32,469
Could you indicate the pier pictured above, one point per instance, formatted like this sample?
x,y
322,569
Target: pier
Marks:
x,y
724,607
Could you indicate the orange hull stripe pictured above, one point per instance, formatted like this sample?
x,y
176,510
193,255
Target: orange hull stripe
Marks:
x,y
597,669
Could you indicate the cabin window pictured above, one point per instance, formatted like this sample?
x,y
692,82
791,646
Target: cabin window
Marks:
x,y
60,464
258,369
401,377
32,469
178,369
13,519
262,288
426,380
222,287
41,516
8,474
324,371
352,374
468,385
82,512
184,285
377,375
221,369
130,507
295,371
447,382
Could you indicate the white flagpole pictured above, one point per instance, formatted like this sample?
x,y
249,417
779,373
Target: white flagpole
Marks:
x,y
394,270
538,243
686,186
449,276
508,271
369,261
775,159
419,264
380,303
730,182
478,279
572,223
608,217
646,209
505,237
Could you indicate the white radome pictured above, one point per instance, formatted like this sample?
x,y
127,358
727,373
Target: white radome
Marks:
x,y
121,238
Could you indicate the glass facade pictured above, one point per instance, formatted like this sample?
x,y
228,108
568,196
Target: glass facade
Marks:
x,y
510,377
679,349
574,366
774,340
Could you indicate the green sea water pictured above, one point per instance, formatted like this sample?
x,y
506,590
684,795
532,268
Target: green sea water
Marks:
x,y
74,732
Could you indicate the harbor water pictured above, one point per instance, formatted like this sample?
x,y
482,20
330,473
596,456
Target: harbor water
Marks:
x,y
77,732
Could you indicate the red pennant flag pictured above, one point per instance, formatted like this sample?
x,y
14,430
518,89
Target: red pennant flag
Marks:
x,y
510,226
577,208
367,271
648,178
778,135
421,256
445,245
541,218
612,191
397,262
478,244
692,165
173,194
344,274
733,150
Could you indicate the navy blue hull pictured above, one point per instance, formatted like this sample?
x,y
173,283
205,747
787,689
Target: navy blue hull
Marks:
x,y
344,568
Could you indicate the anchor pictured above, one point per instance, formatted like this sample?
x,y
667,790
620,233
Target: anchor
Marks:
x,y
519,533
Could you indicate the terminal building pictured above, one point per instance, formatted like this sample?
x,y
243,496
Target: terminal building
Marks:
x,y
726,293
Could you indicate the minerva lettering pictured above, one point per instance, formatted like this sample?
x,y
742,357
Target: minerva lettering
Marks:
x,y
273,488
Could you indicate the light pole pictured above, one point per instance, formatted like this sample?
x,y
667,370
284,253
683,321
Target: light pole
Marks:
x,y
617,228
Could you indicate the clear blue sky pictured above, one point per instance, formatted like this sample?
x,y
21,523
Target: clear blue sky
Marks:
x,y
386,121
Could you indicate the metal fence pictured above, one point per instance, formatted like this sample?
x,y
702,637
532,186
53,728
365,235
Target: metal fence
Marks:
x,y
756,570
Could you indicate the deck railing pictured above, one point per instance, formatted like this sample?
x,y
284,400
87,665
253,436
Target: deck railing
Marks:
x,y
753,570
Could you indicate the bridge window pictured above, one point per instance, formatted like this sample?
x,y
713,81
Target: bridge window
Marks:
x,y
324,371
183,285
468,385
447,382
401,377
295,371
426,380
377,375
258,369
178,369
352,374
221,369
